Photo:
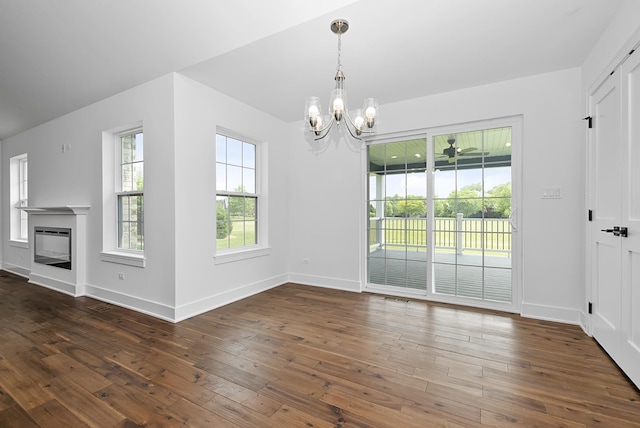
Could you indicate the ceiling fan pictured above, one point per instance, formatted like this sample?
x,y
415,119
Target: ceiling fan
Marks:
x,y
452,152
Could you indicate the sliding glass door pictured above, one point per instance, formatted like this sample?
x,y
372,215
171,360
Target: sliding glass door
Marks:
x,y
441,215
472,209
397,200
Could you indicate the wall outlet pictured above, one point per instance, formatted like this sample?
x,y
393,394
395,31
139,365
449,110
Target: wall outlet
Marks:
x,y
121,275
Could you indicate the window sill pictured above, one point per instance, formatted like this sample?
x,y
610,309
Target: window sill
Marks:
x,y
19,243
243,254
130,259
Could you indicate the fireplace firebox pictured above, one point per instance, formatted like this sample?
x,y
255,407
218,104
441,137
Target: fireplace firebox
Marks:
x,y
53,246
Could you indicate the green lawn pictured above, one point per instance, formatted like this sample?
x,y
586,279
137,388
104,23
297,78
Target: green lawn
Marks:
x,y
243,233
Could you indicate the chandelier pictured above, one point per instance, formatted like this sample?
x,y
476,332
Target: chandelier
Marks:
x,y
363,121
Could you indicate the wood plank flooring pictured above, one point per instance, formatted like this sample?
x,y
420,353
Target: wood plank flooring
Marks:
x,y
298,356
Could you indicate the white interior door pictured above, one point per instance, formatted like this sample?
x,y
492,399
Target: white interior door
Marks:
x,y
615,229
629,358
606,203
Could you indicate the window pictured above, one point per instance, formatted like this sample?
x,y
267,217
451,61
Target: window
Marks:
x,y
130,190
236,193
19,195
123,195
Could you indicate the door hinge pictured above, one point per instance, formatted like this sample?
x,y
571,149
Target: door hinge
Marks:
x,y
590,215
590,119
590,307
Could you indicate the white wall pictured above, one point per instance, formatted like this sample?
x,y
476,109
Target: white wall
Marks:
x,y
326,200
179,118
200,283
75,177
327,189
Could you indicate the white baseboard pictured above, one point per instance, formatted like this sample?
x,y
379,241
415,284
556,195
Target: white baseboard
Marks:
x,y
326,282
55,284
209,303
552,313
17,270
155,309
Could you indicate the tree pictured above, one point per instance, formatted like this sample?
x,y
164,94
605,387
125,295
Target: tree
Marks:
x,y
498,201
412,207
469,200
442,208
223,227
236,203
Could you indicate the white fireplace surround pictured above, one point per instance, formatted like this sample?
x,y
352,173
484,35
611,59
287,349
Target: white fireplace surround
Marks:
x,y
74,217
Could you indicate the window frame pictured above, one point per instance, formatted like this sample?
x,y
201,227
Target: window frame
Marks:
x,y
260,248
111,181
19,198
121,194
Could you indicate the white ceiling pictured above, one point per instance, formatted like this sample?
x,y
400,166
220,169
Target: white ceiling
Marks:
x,y
58,56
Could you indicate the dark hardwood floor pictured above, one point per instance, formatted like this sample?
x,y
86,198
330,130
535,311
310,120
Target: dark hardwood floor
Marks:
x,y
298,356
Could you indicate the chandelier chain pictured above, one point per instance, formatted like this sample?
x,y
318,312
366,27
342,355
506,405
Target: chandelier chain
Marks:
x,y
339,68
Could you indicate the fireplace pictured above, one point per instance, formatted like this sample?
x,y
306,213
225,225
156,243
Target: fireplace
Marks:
x,y
52,246
59,241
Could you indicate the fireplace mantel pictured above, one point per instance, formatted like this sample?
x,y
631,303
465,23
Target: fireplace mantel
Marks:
x,y
73,217
64,209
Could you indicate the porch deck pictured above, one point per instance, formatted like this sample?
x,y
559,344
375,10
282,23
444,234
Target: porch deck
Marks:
x,y
467,278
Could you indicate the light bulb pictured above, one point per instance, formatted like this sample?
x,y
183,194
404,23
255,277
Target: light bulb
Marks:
x,y
338,109
338,104
370,112
313,111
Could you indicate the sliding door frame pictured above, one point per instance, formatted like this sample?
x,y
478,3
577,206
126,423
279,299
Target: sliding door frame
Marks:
x,y
515,122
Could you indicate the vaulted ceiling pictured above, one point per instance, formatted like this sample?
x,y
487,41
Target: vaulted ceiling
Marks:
x,y
56,57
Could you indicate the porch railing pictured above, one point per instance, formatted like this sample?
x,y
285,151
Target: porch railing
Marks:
x,y
457,233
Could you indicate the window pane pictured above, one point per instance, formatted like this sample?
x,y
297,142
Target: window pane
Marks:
x,y
138,175
130,222
469,182
127,177
249,155
373,186
249,180
395,156
236,207
395,185
250,233
234,152
221,148
221,176
376,157
123,208
234,178
250,208
126,142
417,184
223,228
444,183
137,148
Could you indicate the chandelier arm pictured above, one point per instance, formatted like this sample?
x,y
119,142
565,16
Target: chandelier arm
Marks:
x,y
362,131
351,132
325,131
325,127
346,113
